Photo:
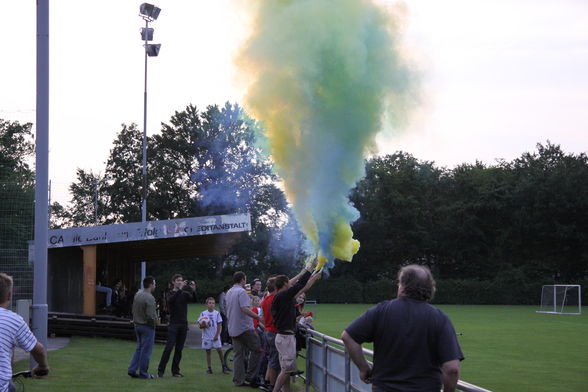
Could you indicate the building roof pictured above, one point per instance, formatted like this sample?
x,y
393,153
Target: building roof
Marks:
x,y
159,240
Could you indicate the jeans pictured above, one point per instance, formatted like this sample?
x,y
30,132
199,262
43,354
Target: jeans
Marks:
x,y
145,339
248,340
107,291
176,336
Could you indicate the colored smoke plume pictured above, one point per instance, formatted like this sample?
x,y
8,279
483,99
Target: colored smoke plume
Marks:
x,y
321,77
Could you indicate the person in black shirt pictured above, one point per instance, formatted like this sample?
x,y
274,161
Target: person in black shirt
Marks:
x,y
177,330
415,345
256,288
284,316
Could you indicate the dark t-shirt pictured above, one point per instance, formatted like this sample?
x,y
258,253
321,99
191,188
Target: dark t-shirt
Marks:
x,y
283,306
177,302
412,339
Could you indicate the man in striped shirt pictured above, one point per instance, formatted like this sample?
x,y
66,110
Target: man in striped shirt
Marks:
x,y
15,332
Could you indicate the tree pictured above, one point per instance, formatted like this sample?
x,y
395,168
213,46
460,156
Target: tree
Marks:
x,y
200,164
123,177
549,205
17,195
16,147
217,169
397,201
88,203
471,221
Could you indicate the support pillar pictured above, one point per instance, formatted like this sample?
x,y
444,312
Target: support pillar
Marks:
x,y
89,284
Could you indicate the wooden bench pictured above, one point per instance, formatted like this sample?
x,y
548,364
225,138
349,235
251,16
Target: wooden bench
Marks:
x,y
74,324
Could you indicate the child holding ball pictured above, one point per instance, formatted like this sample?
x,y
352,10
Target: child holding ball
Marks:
x,y
210,322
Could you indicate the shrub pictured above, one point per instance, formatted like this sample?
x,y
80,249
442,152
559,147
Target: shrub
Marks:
x,y
336,291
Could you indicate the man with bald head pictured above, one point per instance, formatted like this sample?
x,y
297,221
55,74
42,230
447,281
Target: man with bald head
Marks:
x,y
415,346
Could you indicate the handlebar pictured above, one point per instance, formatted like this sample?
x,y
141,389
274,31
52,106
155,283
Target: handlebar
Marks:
x,y
29,374
24,374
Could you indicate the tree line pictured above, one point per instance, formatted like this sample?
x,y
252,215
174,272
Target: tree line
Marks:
x,y
523,220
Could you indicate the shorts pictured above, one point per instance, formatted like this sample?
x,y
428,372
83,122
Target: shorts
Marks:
x,y
273,358
286,345
208,344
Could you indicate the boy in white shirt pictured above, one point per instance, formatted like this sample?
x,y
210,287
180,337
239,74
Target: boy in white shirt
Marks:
x,y
210,321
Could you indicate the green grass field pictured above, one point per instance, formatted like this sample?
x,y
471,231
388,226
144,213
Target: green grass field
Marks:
x,y
507,348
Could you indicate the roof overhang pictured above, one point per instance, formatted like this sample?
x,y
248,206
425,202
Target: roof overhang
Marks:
x,y
160,240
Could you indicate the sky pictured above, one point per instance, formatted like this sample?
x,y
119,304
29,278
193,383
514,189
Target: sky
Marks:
x,y
498,76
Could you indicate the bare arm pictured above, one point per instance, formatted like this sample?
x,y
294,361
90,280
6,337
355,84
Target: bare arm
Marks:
x,y
297,277
309,284
218,331
40,355
450,370
250,312
310,267
356,354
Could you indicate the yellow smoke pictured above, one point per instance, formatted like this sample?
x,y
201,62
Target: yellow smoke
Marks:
x,y
321,74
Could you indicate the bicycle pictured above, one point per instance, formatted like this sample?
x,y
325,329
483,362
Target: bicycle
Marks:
x,y
229,358
18,378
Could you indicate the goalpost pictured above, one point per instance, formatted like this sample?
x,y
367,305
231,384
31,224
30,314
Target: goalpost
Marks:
x,y
561,299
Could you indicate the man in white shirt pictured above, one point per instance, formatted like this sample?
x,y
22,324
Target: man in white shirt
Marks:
x,y
14,332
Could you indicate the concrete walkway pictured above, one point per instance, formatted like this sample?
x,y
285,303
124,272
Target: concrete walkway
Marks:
x,y
193,340
194,337
52,344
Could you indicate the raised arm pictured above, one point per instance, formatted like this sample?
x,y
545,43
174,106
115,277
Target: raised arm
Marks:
x,y
295,279
310,282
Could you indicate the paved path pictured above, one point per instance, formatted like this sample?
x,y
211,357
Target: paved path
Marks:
x,y
193,340
194,336
52,344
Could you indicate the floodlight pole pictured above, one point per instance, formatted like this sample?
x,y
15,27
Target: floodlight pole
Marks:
x,y
39,308
144,201
144,166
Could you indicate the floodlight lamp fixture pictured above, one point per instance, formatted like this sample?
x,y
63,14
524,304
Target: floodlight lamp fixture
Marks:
x,y
149,11
152,50
146,34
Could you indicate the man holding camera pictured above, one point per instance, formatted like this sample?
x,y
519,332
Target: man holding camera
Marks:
x,y
183,291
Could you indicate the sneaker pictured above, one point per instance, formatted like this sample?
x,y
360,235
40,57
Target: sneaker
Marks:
x,y
150,377
133,375
209,371
226,370
160,374
179,375
255,384
263,387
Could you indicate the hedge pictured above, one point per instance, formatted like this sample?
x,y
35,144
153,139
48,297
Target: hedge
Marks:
x,y
511,290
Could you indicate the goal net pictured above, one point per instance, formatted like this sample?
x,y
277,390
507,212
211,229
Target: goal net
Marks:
x,y
561,299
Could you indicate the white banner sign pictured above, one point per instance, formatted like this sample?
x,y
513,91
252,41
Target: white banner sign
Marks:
x,y
151,230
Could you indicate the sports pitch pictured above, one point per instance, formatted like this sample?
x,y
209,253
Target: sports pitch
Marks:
x,y
507,348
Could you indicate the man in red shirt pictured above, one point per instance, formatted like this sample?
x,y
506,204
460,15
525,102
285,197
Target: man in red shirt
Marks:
x,y
273,365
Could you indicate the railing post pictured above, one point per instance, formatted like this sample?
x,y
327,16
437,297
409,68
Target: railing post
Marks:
x,y
308,379
347,372
325,364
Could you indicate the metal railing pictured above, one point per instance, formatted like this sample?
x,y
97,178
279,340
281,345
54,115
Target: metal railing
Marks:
x,y
329,367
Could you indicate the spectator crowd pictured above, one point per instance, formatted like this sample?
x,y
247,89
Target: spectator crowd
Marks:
x,y
415,345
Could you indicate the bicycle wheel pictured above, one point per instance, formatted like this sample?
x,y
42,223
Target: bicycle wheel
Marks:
x,y
229,358
19,384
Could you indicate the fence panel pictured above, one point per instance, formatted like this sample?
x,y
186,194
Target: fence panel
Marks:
x,y
329,368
